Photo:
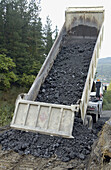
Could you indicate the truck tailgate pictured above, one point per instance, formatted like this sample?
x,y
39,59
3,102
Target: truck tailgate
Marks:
x,y
41,117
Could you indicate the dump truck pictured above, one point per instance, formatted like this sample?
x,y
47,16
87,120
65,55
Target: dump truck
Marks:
x,y
85,24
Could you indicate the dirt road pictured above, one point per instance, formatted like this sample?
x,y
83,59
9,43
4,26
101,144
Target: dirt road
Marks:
x,y
106,113
10,160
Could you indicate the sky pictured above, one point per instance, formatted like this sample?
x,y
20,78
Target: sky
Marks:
x,y
56,11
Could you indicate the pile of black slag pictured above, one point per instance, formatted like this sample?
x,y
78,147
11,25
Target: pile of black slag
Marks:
x,y
65,81
45,146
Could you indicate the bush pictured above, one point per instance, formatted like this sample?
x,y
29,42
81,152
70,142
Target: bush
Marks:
x,y
107,100
6,113
7,76
26,80
7,103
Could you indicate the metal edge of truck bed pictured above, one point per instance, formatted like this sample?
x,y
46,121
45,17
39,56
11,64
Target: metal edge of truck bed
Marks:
x,y
91,74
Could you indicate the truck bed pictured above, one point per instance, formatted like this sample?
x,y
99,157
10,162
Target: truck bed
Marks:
x,y
66,79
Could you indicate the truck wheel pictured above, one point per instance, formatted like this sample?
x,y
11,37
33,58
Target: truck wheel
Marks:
x,y
95,118
88,121
99,113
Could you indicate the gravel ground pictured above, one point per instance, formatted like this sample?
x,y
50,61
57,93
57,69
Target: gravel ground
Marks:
x,y
45,146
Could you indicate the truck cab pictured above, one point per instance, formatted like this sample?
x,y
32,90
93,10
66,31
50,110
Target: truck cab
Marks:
x,y
95,104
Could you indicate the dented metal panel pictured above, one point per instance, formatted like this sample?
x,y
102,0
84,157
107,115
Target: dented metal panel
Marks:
x,y
46,118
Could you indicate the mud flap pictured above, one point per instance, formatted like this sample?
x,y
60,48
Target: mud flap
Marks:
x,y
46,118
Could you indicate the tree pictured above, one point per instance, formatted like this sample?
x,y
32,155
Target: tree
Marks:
x,y
40,49
48,35
14,22
7,75
36,42
22,37
56,33
1,27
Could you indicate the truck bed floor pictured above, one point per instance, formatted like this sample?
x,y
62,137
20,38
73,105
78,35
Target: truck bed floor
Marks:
x,y
65,81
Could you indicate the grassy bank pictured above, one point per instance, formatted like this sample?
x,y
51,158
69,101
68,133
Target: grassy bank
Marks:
x,y
7,104
107,100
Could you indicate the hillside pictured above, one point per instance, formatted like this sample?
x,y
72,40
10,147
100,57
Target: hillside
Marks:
x,y
104,69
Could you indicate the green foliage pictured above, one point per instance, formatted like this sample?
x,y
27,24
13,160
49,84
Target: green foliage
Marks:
x,y
6,113
27,80
7,104
6,63
56,33
107,100
109,87
48,35
22,38
7,75
35,68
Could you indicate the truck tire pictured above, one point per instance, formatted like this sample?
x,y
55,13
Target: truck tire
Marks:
x,y
95,117
99,113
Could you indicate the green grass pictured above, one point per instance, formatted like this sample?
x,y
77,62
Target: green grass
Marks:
x,y
107,100
7,104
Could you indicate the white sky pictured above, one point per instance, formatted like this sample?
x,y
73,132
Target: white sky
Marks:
x,y
56,11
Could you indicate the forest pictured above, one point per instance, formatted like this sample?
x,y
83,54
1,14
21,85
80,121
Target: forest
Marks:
x,y
24,44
